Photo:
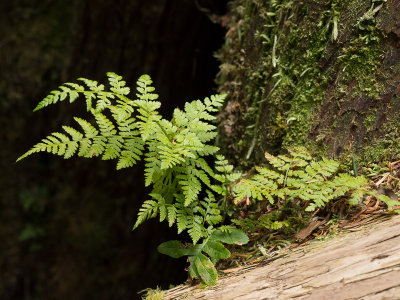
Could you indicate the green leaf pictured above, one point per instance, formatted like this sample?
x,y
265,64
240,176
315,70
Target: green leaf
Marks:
x,y
176,249
204,269
216,250
236,237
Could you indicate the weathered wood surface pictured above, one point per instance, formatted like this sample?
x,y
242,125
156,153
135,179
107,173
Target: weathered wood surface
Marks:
x,y
364,264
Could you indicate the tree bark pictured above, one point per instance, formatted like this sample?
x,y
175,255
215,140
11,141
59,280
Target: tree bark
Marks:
x,y
320,73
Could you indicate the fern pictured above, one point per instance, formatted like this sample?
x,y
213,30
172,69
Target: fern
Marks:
x,y
183,184
127,130
297,176
186,190
277,199
264,222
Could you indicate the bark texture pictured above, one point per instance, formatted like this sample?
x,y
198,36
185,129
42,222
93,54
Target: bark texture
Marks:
x,y
359,265
321,73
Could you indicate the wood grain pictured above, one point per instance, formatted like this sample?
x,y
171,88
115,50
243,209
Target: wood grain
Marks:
x,y
352,265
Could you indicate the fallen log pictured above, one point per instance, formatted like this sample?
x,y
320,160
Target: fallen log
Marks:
x,y
351,265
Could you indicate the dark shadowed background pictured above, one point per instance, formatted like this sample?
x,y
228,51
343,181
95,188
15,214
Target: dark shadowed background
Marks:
x,y
65,225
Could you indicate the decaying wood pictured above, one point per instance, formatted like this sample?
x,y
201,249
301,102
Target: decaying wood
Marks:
x,y
352,265
305,232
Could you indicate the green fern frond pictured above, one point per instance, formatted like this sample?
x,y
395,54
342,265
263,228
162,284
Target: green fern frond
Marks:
x,y
179,118
196,229
148,210
75,134
207,150
56,143
117,84
127,129
203,165
103,101
113,148
190,186
92,85
106,127
145,89
217,101
276,162
297,176
60,95
171,215
170,156
153,167
301,153
212,214
202,176
391,203
133,151
71,91
182,218
89,130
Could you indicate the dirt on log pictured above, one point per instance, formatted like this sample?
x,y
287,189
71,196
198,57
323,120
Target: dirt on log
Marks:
x,y
362,264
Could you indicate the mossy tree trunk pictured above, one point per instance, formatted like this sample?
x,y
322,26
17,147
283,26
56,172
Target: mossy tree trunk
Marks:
x,y
320,73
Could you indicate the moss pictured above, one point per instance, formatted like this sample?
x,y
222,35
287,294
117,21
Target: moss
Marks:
x,y
370,119
362,56
150,294
386,146
293,62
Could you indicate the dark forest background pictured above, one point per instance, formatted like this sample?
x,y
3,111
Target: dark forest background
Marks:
x,y
65,225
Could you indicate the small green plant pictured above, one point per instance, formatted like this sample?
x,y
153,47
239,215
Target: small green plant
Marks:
x,y
278,200
185,187
150,294
202,266
298,178
271,221
186,190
